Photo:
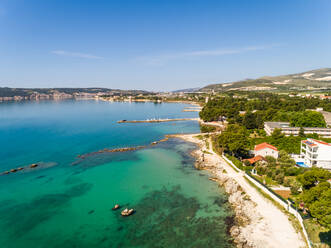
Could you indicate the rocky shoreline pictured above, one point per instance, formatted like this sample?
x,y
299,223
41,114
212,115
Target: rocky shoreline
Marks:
x,y
256,222
237,198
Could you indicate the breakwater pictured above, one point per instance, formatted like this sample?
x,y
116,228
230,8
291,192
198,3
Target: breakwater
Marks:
x,y
14,170
83,156
123,149
158,120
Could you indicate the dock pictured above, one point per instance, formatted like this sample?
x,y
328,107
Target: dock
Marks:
x,y
158,120
191,110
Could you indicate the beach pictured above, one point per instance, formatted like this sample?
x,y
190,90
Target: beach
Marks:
x,y
257,222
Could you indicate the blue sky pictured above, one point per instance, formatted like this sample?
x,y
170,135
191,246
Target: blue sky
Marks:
x,y
159,45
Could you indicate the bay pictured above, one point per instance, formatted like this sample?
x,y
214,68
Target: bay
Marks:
x,y
59,204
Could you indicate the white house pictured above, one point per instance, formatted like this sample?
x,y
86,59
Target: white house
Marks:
x,y
316,153
265,149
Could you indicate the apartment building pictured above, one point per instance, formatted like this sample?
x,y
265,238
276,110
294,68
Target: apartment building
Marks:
x,y
316,153
269,127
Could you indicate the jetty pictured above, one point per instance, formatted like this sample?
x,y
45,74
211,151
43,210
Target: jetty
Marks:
x,y
124,149
192,109
158,120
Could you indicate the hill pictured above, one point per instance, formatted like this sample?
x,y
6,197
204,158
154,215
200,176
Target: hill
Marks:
x,y
7,93
315,80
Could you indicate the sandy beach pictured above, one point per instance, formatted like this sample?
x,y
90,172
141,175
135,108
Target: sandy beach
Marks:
x,y
258,222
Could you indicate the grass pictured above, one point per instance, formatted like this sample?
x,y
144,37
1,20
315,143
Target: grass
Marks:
x,y
319,235
207,144
268,180
232,166
207,152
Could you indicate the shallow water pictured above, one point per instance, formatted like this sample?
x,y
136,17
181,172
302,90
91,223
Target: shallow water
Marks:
x,y
60,205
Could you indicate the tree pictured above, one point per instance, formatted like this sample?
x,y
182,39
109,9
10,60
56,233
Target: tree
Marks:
x,y
279,178
270,160
318,200
247,163
234,139
295,189
307,119
285,160
249,120
314,176
302,132
277,134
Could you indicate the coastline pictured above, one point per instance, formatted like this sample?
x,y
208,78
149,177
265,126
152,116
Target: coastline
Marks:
x,y
257,222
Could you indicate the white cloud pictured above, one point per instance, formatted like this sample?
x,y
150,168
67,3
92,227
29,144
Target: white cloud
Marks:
x,y
162,58
75,54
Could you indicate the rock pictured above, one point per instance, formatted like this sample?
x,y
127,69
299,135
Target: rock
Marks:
x,y
33,165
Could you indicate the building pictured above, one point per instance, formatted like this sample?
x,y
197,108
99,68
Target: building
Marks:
x,y
323,97
255,159
316,153
269,127
265,149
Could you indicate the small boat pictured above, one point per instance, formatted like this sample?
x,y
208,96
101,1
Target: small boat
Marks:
x,y
33,165
116,207
13,170
20,168
127,212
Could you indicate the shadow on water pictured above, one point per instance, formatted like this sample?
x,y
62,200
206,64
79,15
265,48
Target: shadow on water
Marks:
x,y
27,216
166,218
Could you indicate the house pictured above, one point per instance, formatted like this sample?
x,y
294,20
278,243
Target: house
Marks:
x,y
286,129
265,149
316,153
254,159
323,97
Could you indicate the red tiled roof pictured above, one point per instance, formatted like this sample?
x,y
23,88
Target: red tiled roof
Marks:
x,y
264,146
322,142
255,159
307,142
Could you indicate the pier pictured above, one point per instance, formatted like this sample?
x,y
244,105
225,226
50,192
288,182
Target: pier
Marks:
x,y
158,120
192,109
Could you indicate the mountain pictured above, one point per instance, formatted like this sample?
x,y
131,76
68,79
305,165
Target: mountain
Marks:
x,y
315,80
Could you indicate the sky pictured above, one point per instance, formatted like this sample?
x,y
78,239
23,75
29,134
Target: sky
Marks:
x,y
159,45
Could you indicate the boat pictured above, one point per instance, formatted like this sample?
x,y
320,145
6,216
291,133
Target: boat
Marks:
x,y
116,207
127,212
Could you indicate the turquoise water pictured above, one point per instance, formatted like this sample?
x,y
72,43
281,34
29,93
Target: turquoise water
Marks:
x,y
61,205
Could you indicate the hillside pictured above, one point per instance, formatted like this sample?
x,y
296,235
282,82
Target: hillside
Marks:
x,y
315,80
7,93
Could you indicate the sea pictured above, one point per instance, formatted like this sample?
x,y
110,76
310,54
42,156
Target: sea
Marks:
x,y
67,201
